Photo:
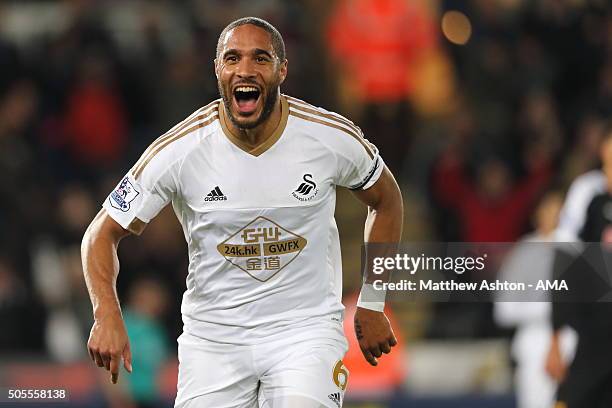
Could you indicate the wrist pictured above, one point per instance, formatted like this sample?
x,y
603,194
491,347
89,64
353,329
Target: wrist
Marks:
x,y
365,311
105,310
372,299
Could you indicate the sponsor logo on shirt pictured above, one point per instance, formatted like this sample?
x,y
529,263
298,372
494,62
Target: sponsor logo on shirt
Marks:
x,y
336,397
123,195
307,190
215,195
262,248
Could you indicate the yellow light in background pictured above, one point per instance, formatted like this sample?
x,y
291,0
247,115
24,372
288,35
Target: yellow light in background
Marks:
x,y
456,27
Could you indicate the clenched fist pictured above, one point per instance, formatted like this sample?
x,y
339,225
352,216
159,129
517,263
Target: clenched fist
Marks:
x,y
374,334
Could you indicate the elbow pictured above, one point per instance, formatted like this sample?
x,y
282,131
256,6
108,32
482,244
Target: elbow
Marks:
x,y
94,232
391,203
398,202
86,244
85,241
88,238
389,211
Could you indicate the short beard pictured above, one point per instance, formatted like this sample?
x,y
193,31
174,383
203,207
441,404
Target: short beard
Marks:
x,y
270,100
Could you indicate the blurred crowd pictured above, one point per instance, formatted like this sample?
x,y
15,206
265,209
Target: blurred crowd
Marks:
x,y
478,107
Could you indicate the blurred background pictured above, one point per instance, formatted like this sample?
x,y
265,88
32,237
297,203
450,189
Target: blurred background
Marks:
x,y
479,107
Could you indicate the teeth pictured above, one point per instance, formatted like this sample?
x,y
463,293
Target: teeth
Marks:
x,y
246,89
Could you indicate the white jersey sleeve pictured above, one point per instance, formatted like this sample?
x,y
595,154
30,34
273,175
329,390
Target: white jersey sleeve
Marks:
x,y
153,181
142,193
579,197
358,163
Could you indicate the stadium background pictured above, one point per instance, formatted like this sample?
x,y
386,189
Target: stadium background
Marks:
x,y
478,107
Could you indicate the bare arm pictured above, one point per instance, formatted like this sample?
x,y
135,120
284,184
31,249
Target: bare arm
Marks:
x,y
108,341
555,365
385,209
383,225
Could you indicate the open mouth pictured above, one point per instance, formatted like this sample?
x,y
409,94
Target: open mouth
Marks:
x,y
246,98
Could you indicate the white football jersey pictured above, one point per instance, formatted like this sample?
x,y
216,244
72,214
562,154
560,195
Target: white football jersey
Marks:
x,y
264,253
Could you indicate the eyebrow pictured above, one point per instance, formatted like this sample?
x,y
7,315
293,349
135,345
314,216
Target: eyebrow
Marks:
x,y
256,51
231,51
259,51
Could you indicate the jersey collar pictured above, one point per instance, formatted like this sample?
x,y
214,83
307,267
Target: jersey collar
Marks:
x,y
266,144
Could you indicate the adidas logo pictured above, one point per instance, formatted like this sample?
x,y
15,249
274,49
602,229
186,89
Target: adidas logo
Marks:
x,y
215,195
336,397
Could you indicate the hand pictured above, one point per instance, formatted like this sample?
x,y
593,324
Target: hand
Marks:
x,y
555,366
374,334
108,344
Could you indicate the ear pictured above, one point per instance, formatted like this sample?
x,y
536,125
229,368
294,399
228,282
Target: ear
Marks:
x,y
283,70
216,64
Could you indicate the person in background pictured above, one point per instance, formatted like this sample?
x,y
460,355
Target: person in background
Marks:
x,y
148,301
531,260
366,38
493,198
585,218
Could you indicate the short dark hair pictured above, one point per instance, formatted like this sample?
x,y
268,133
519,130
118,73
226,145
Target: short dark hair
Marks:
x,y
277,40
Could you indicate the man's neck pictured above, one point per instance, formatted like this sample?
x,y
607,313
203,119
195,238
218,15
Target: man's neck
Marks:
x,y
258,135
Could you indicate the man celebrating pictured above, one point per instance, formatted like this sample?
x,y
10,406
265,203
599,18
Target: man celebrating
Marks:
x,y
252,179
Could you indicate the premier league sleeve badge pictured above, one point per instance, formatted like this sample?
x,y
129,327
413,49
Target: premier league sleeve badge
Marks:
x,y
123,195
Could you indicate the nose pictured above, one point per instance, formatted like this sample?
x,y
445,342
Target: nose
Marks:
x,y
246,68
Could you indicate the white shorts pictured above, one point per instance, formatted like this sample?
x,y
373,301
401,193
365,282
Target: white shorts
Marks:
x,y
287,373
